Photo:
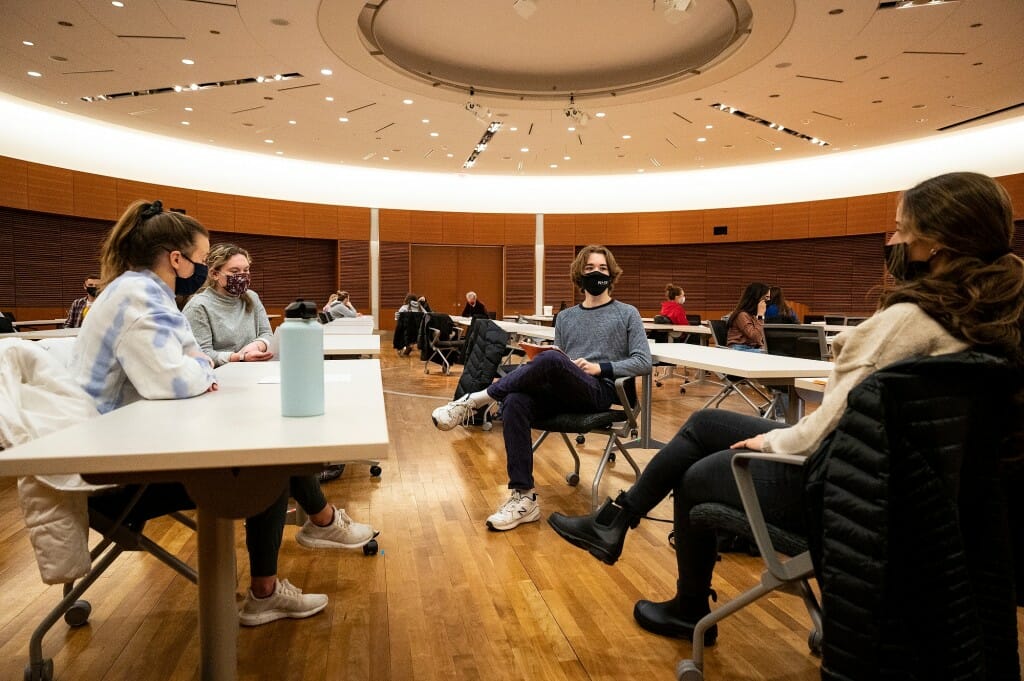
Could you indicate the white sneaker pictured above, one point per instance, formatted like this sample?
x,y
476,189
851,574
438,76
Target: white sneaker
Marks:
x,y
520,508
286,601
453,414
343,533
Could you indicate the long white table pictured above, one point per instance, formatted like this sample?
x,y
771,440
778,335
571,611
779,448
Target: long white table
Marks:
x,y
359,326
233,451
350,345
768,369
40,322
39,334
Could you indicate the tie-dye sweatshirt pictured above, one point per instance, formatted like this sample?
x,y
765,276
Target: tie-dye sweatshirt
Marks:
x,y
135,344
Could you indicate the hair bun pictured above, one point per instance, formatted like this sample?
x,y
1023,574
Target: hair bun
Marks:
x,y
151,209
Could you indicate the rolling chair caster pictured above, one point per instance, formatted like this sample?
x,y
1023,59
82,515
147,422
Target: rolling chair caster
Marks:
x,y
375,471
43,672
814,642
581,438
370,548
687,671
572,478
487,426
78,614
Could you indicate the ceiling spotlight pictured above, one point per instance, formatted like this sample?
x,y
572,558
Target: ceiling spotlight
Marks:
x,y
675,10
524,8
479,111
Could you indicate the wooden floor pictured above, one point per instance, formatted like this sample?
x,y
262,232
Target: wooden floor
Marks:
x,y
444,599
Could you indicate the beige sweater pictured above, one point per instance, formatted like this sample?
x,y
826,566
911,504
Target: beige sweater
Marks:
x,y
899,332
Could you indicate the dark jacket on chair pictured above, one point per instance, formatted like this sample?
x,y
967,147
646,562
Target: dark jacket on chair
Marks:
x,y
909,525
486,344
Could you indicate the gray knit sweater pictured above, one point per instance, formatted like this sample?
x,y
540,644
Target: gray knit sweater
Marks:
x,y
611,335
222,325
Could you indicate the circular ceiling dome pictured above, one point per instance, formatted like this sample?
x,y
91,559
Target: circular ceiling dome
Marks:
x,y
533,49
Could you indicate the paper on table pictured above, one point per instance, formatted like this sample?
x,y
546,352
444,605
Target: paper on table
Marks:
x,y
333,378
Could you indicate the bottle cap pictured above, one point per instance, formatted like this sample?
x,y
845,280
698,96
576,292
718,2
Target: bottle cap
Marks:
x,y
300,309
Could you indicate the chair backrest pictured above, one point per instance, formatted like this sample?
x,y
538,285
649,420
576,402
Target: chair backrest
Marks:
x,y
693,319
720,329
323,317
854,321
810,318
661,319
929,575
5,325
837,319
9,315
796,340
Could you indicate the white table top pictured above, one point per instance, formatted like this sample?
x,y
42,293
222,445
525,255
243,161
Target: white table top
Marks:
x,y
833,328
813,384
240,424
684,328
739,363
39,322
39,334
355,325
345,345
518,328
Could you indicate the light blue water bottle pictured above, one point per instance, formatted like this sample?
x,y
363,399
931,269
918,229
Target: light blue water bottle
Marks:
x,y
302,361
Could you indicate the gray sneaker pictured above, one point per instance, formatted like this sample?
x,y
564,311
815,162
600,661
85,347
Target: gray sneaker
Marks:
x,y
343,533
286,601
453,414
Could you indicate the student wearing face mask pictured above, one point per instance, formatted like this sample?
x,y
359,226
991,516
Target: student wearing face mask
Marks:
x,y
231,325
672,306
135,344
80,307
958,285
601,338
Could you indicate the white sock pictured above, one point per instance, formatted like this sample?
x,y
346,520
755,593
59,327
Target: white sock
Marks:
x,y
480,399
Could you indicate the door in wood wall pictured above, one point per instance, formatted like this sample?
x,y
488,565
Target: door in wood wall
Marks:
x,y
445,273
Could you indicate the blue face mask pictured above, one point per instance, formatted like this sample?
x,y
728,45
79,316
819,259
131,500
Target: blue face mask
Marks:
x,y
186,286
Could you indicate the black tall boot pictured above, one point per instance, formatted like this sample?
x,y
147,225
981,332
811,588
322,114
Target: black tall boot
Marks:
x,y
603,532
676,617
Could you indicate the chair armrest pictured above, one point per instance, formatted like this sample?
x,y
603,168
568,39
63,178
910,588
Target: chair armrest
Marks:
x,y
752,507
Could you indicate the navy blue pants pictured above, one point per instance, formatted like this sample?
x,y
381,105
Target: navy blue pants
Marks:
x,y
550,384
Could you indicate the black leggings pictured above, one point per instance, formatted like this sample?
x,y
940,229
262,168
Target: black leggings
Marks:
x,y
696,466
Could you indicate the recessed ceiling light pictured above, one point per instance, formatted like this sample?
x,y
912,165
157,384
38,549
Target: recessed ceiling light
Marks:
x,y
450,155
279,153
291,122
327,72
639,170
117,3
553,165
566,158
27,43
627,137
343,119
185,123
778,148
425,120
406,101
524,149
35,74
702,139
599,114
708,127
188,108
269,141
329,99
434,134
386,158
188,62
571,129
513,129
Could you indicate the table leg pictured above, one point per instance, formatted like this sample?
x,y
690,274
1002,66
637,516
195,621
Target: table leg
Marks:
x,y
218,615
646,441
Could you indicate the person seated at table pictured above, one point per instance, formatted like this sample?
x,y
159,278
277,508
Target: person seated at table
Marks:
x,y
672,306
958,285
230,324
474,308
601,339
339,306
413,303
80,307
135,344
778,310
745,328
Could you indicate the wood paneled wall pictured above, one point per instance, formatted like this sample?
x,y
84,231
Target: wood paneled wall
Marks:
x,y
520,280
354,272
394,280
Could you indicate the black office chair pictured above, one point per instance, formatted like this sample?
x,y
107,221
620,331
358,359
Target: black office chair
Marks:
x,y
440,342
617,423
731,385
6,326
835,319
854,321
811,318
806,341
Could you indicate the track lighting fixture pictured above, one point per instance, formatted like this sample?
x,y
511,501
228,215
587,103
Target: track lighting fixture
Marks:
x,y
576,115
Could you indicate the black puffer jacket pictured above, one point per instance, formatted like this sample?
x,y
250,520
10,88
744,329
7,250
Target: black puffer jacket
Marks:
x,y
909,525
485,347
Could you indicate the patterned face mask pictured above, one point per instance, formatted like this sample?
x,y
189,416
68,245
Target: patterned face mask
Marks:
x,y
237,284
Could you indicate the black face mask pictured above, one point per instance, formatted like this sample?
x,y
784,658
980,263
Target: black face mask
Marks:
x,y
900,266
186,286
92,291
595,283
